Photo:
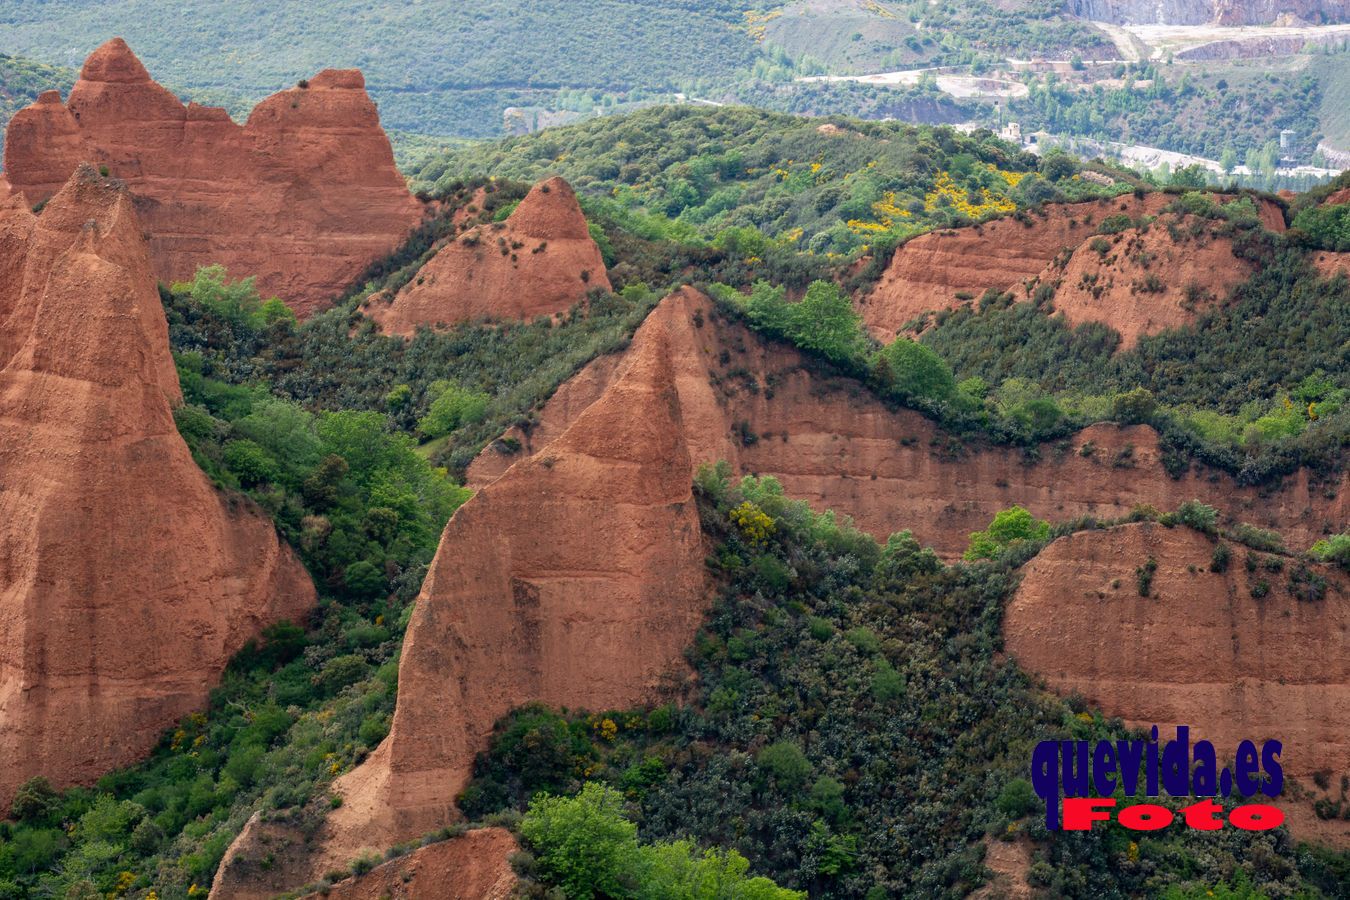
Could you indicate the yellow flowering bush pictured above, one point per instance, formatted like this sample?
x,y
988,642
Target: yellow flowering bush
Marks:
x,y
946,187
755,524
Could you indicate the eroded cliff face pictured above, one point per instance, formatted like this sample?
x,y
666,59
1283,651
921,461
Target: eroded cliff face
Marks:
x,y
472,867
1201,650
539,262
1060,245
126,580
833,444
304,196
926,273
1146,280
1211,12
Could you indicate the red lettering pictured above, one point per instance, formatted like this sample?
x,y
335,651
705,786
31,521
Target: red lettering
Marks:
x,y
1081,812
1255,817
1202,815
1145,817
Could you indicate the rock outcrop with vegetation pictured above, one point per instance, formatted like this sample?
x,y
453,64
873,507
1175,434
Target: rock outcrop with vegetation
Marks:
x,y
540,261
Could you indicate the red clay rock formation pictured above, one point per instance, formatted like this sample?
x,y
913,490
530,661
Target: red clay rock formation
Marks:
x,y
1143,281
830,443
304,196
926,274
1329,263
595,615
126,580
539,262
472,867
1201,650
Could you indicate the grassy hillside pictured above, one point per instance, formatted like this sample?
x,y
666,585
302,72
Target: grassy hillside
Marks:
x,y
856,36
1333,72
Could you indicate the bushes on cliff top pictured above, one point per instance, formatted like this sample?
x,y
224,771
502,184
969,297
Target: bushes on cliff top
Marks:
x,y
1009,526
1326,227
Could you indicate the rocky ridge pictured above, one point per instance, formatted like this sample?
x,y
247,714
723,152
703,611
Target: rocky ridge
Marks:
x,y
507,616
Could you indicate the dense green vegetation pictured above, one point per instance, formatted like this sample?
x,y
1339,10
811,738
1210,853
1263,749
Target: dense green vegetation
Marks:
x,y
508,369
853,731
1235,117
1257,386
825,191
587,847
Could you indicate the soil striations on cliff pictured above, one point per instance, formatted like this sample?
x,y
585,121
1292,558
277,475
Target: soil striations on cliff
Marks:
x,y
832,443
472,867
943,269
127,581
947,269
304,196
1141,281
1234,654
539,262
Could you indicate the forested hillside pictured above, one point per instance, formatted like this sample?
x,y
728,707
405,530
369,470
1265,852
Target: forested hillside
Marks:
x,y
856,727
435,68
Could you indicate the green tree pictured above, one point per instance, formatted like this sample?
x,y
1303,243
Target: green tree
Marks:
x,y
1334,549
584,844
451,407
786,763
917,371
1008,527
364,580
34,800
237,301
825,322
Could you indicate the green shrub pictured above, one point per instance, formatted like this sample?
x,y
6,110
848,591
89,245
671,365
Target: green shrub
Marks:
x,y
1010,526
451,408
786,764
1017,799
915,371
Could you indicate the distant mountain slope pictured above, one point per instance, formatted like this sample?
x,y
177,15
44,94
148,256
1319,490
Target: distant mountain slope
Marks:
x,y
446,67
438,67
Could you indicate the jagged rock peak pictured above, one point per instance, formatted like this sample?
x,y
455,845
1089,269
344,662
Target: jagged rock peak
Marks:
x,y
115,63
550,210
